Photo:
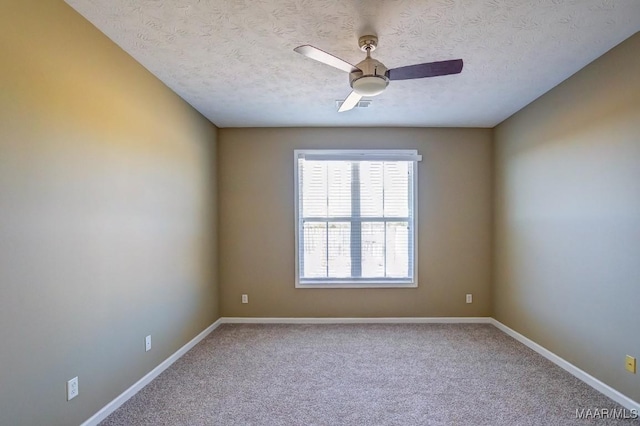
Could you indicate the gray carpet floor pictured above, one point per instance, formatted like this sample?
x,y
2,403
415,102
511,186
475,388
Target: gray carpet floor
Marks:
x,y
362,374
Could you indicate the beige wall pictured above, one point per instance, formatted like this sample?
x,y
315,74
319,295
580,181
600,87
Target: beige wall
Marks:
x,y
107,214
108,219
568,218
256,212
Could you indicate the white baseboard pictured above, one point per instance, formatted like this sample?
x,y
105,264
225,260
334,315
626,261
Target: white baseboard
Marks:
x,y
394,320
135,388
601,387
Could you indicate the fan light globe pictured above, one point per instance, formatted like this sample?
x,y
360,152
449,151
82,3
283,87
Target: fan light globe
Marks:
x,y
369,85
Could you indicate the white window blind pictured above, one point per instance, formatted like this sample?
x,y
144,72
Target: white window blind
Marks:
x,y
355,218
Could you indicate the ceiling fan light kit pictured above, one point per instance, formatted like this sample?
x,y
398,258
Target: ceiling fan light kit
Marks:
x,y
370,77
369,85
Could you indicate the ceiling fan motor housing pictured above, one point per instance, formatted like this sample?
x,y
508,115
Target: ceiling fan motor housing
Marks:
x,y
369,79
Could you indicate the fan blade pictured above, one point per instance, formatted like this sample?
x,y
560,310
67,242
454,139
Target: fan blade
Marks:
x,y
430,69
324,57
350,102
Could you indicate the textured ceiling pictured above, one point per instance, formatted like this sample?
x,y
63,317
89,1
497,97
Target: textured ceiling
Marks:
x,y
233,60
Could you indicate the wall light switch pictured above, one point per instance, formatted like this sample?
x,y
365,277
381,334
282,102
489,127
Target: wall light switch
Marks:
x,y
630,364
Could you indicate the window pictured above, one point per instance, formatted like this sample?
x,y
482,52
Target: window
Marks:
x,y
355,218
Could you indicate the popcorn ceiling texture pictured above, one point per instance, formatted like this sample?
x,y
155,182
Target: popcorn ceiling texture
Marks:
x,y
233,59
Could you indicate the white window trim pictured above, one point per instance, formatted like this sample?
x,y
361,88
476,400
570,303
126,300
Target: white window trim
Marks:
x,y
360,154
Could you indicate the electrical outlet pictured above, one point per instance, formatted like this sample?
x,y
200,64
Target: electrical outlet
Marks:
x,y
72,388
630,364
147,343
245,298
469,298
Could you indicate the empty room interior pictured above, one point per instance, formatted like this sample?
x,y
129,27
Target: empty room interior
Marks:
x,y
332,212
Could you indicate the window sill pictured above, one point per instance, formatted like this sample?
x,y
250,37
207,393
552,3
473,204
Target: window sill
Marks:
x,y
360,284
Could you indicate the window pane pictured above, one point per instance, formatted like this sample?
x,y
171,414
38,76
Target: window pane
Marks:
x,y
339,249
372,249
314,188
315,249
397,249
396,188
339,188
371,188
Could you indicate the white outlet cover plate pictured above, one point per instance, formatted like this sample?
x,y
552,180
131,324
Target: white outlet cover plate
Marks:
x,y
72,388
147,343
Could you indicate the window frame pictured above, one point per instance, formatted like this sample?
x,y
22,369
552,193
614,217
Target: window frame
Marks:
x,y
354,155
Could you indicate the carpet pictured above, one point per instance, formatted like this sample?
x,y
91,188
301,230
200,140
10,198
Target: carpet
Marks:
x,y
363,374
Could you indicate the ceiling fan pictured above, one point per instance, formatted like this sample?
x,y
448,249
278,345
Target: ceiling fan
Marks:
x,y
370,77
